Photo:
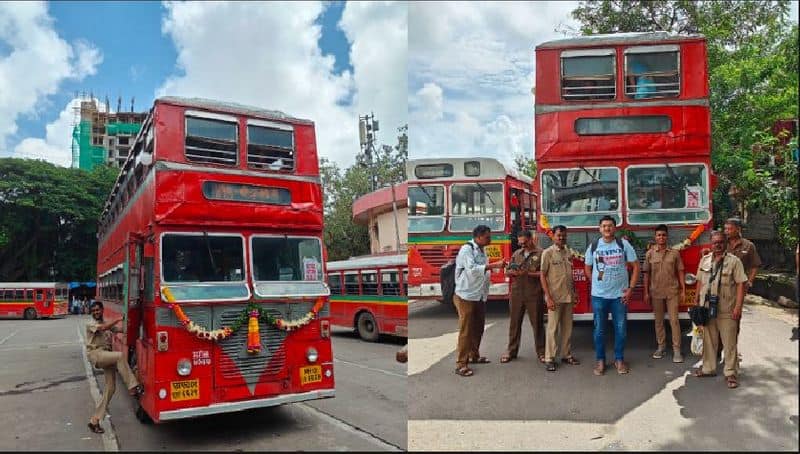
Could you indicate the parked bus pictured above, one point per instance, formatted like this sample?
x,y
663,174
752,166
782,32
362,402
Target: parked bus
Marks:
x,y
449,197
210,246
32,300
622,128
368,294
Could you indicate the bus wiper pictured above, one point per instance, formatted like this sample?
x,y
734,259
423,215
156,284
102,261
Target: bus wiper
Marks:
x,y
594,178
427,194
210,255
489,196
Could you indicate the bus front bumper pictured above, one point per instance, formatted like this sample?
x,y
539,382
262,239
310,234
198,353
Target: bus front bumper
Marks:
x,y
228,407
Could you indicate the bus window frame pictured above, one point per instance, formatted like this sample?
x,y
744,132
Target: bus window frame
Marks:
x,y
337,274
650,49
322,271
618,211
595,52
209,116
355,273
389,270
503,196
706,208
444,214
377,283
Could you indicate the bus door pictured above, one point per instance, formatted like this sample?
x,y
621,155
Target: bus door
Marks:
x,y
132,304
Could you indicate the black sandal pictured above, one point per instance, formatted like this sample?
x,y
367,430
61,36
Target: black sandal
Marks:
x,y
464,371
96,428
550,366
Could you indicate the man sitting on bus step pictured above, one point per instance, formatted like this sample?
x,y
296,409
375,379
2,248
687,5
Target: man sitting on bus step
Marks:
x,y
559,295
98,350
606,262
526,295
471,292
664,286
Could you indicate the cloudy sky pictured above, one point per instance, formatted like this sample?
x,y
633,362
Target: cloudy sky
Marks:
x,y
329,62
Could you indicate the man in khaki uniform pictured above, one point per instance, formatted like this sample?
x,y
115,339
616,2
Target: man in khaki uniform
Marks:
x,y
664,286
747,253
720,275
526,295
98,350
559,295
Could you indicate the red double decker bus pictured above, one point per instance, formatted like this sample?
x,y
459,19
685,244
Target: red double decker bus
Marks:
x,y
32,300
449,197
210,247
622,128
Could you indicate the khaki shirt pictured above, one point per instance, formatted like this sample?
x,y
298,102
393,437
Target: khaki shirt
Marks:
x,y
732,273
557,269
746,251
663,267
96,339
525,285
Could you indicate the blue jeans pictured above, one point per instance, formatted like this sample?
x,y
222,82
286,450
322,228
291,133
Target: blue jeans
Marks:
x,y
619,313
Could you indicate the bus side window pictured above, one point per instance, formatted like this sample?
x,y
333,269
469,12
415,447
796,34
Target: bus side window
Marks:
x,y
28,295
351,284
39,295
369,282
389,284
149,286
405,282
19,295
335,283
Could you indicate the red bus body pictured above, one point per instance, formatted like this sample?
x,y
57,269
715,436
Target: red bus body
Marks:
x,y
368,294
437,231
32,300
163,196
634,105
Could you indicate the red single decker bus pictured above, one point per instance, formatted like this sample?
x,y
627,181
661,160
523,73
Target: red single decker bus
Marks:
x,y
449,197
32,300
210,247
623,128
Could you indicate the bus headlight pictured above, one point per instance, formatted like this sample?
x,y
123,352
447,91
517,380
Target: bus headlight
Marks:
x,y
184,367
312,355
690,279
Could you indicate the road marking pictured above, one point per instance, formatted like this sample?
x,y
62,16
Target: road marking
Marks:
x,y
3,340
333,420
109,437
394,374
423,353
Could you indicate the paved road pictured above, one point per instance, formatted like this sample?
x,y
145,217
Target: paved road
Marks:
x,y
657,406
45,401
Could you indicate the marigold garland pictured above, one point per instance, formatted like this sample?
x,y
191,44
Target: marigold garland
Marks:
x,y
252,310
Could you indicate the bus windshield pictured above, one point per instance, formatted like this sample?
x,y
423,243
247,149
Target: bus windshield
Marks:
x,y
203,266
287,266
476,203
425,208
580,197
667,194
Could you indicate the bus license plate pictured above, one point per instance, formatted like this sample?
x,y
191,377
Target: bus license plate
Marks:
x,y
493,251
310,374
185,390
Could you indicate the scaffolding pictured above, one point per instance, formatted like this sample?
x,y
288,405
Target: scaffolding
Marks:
x,y
92,128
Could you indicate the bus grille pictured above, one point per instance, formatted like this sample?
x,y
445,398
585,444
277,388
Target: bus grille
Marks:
x,y
270,158
273,354
437,257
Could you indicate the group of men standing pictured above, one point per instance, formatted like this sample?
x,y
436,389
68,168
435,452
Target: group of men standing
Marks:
x,y
543,279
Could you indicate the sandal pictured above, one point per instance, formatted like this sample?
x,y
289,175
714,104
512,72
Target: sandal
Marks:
x,y
541,358
571,360
96,428
732,382
550,366
464,371
481,360
622,368
599,368
505,358
700,374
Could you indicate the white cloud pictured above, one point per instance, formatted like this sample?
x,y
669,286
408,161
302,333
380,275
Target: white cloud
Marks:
x,y
481,57
429,99
267,55
38,61
57,145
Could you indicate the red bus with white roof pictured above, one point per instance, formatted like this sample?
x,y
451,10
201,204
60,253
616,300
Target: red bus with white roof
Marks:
x,y
623,128
210,247
32,300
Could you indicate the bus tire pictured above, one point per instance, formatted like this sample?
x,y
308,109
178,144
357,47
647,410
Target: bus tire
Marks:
x,y
142,416
367,327
30,314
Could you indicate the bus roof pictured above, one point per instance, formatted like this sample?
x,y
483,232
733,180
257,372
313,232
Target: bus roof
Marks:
x,y
494,169
369,261
230,107
612,39
15,285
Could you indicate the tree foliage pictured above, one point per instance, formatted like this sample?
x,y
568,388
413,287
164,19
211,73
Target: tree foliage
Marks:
x,y
753,77
343,237
525,165
48,220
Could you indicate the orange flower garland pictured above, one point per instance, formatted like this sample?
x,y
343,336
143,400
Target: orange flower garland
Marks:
x,y
253,339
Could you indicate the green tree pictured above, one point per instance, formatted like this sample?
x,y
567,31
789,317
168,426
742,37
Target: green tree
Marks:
x,y
525,165
48,220
753,77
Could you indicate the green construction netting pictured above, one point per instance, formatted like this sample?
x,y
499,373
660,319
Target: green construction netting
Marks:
x,y
112,129
88,155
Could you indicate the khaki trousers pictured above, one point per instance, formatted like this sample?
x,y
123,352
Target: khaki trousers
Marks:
x,y
111,363
671,304
518,305
559,332
723,329
471,320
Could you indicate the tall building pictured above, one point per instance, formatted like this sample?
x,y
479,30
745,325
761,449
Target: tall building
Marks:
x,y
103,137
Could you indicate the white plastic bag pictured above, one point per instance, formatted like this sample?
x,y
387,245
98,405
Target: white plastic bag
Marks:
x,y
697,340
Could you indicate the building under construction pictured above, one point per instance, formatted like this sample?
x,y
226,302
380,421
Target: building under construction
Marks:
x,y
100,136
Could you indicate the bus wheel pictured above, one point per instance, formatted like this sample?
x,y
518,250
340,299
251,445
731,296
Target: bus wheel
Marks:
x,y
367,328
30,314
142,416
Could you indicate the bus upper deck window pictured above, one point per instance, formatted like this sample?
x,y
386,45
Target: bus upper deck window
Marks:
x,y
588,75
211,141
270,146
472,168
652,72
